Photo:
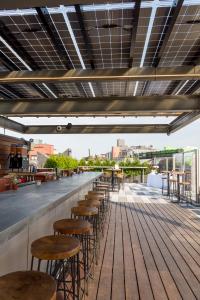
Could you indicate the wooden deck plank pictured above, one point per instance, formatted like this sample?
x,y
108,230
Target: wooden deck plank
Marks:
x,y
151,250
185,230
118,289
188,216
105,282
191,263
170,252
192,230
131,285
167,279
154,276
182,235
94,283
179,279
144,285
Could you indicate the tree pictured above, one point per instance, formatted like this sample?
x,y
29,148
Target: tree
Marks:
x,y
61,162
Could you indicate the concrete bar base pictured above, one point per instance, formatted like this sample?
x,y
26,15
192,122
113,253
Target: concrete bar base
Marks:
x,y
29,213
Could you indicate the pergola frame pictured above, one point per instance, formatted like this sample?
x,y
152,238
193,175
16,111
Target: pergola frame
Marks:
x,y
106,106
129,74
100,129
187,108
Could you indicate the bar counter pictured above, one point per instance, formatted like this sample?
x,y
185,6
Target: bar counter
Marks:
x,y
29,213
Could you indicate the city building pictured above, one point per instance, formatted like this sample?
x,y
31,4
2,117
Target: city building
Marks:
x,y
115,152
120,143
68,152
142,149
39,153
122,151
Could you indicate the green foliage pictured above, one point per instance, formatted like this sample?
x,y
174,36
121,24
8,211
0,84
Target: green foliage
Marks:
x,y
98,163
61,162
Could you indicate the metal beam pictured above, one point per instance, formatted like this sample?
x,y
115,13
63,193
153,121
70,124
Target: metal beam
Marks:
x,y
52,31
174,13
87,42
7,62
12,41
86,38
100,106
4,95
132,74
5,4
182,121
98,129
12,90
195,87
185,119
178,86
136,14
54,35
11,66
169,25
12,125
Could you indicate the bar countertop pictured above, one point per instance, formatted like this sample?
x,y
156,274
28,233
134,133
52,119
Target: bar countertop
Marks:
x,y
18,208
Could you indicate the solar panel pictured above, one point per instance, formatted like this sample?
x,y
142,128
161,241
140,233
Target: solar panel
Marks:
x,y
109,31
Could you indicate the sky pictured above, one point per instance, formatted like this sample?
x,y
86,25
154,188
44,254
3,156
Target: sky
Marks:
x,y
102,143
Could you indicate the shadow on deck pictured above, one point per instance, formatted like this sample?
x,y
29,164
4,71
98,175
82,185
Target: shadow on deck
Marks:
x,y
151,249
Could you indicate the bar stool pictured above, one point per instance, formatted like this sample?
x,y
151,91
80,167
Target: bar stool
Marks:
x,y
99,202
186,188
27,285
95,197
96,193
95,203
81,229
90,203
102,186
103,189
60,254
89,214
173,188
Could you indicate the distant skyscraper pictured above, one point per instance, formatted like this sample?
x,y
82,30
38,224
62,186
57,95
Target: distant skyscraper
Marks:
x,y
120,143
68,152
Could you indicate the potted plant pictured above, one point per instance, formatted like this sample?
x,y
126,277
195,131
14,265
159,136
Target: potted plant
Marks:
x,y
15,183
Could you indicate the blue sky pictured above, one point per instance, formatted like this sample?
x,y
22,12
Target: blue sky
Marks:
x,y
188,136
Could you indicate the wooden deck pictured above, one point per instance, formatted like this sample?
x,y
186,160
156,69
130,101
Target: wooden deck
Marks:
x,y
151,250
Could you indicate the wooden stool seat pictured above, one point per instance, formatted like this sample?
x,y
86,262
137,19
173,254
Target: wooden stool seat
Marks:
x,y
27,285
72,226
94,197
84,211
103,186
96,193
89,203
55,247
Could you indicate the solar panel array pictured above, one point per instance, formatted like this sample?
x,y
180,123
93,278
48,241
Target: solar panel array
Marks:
x,y
109,32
